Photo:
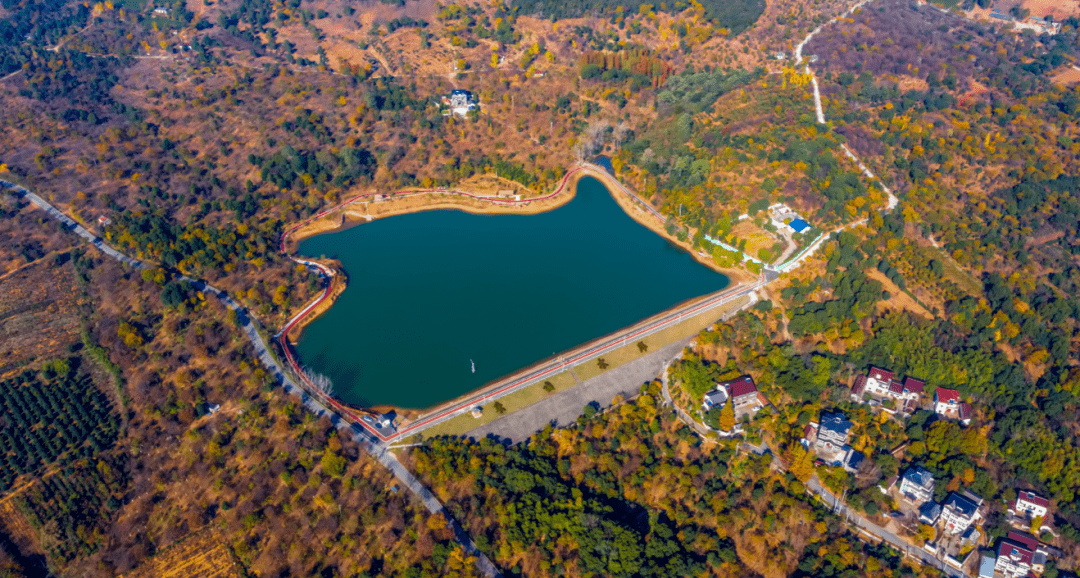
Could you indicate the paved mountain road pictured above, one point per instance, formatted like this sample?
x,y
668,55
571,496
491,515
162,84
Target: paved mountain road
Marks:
x,y
366,440
896,541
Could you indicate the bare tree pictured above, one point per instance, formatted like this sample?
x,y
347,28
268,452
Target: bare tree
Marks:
x,y
320,381
596,135
621,130
581,150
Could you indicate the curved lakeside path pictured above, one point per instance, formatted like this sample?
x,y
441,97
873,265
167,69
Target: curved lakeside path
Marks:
x,y
312,403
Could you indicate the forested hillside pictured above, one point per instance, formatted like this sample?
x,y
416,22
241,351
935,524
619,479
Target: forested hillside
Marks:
x,y
634,492
134,417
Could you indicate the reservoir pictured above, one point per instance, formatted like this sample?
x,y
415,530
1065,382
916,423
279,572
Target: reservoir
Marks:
x,y
431,294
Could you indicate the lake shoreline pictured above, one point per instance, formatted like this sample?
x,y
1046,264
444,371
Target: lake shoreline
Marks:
x,y
371,206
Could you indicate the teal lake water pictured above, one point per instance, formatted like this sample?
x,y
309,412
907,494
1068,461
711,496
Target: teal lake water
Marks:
x,y
429,292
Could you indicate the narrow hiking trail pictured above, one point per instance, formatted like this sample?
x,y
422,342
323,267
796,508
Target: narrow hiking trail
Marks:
x,y
820,111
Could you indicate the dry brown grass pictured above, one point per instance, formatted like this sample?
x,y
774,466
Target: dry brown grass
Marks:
x,y
1067,76
907,83
38,315
201,555
1059,9
756,237
898,300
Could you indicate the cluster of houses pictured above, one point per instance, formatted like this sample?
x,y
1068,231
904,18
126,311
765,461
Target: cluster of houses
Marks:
x,y
1037,24
957,518
1016,556
745,398
880,387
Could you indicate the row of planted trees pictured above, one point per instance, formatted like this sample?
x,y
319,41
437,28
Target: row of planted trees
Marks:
x,y
49,417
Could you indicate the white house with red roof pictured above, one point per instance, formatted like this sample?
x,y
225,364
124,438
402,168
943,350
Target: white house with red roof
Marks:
x,y
1018,555
878,381
1030,505
882,384
913,389
947,402
744,395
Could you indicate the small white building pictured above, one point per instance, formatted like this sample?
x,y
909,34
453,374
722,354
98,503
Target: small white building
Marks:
x,y
929,513
161,11
715,398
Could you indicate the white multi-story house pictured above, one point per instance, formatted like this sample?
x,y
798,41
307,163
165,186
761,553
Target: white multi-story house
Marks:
x,y
1030,505
1018,555
833,431
960,511
882,384
829,438
461,102
947,402
917,485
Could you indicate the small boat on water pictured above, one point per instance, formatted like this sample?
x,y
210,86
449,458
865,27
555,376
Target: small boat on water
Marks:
x,y
473,365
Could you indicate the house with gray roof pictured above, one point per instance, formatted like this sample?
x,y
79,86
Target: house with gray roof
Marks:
x,y
917,485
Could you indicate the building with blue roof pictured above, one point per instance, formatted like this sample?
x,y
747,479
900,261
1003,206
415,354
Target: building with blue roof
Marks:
x,y
799,225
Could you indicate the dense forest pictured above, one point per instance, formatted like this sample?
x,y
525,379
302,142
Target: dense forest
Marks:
x,y
598,498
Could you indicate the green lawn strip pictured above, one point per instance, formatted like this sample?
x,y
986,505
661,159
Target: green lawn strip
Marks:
x,y
519,399
629,352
